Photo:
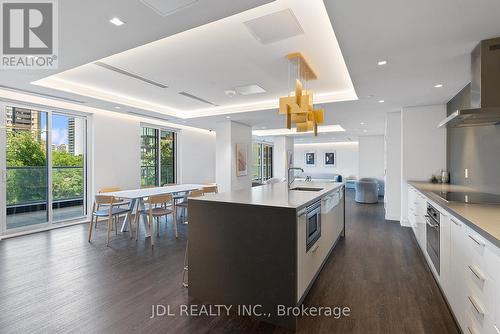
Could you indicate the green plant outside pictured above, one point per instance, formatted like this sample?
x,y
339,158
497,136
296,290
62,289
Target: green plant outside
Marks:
x,y
27,174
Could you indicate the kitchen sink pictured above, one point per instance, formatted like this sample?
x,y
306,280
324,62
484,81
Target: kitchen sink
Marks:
x,y
306,189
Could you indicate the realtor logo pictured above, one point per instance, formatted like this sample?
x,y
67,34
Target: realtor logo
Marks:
x,y
29,34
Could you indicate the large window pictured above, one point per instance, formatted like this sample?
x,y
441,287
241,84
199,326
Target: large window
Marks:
x,y
262,162
45,167
157,157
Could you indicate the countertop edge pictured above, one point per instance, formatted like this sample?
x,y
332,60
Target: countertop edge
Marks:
x,y
319,194
444,205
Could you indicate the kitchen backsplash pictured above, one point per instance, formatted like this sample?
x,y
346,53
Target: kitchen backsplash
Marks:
x,y
474,148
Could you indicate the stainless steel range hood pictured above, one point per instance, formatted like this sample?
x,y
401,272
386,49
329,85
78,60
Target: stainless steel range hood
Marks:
x,y
485,89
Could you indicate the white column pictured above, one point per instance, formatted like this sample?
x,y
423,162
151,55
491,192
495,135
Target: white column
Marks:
x,y
392,196
283,146
228,134
423,147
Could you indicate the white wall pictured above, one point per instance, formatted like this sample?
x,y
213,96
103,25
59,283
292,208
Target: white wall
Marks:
x,y
228,134
371,157
282,144
392,196
116,147
196,156
347,158
423,147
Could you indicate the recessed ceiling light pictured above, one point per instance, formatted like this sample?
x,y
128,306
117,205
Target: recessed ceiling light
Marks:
x,y
250,90
362,123
228,117
117,107
365,131
116,21
381,101
230,92
438,86
382,62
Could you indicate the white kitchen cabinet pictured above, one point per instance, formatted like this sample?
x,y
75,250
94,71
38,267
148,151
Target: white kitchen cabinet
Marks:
x,y
445,249
412,207
421,211
469,267
458,263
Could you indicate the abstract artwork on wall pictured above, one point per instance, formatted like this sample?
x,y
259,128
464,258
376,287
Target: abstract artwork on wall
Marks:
x,y
310,159
330,159
241,160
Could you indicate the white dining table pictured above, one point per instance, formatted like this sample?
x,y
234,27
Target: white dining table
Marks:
x,y
137,196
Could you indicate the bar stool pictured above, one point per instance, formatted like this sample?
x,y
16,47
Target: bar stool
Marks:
x,y
112,212
158,206
193,193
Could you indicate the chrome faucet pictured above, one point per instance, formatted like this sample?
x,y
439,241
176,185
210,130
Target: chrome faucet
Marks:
x,y
292,177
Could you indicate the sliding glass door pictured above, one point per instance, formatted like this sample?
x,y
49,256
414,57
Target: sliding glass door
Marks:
x,y
68,167
158,163
26,176
43,168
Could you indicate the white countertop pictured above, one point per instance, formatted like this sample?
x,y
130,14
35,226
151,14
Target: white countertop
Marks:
x,y
276,195
484,218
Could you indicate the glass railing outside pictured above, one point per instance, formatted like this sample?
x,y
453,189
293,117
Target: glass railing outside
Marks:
x,y
27,194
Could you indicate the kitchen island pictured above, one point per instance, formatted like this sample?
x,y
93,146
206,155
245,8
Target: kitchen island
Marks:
x,y
263,247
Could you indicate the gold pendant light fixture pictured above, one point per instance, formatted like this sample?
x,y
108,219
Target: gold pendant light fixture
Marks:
x,y
299,108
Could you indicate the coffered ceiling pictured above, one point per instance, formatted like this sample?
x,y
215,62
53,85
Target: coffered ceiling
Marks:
x,y
188,74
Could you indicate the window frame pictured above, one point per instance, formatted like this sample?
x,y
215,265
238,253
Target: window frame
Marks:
x,y
265,166
158,130
88,174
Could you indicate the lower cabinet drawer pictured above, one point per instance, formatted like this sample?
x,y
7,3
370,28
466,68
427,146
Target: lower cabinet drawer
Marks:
x,y
478,250
478,319
482,286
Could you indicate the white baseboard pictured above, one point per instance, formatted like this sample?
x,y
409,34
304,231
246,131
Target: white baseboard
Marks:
x,y
405,222
389,217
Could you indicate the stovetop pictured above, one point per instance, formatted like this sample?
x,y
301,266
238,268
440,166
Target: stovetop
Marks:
x,y
468,197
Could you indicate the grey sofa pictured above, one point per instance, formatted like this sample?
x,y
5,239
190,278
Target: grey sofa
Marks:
x,y
367,190
326,177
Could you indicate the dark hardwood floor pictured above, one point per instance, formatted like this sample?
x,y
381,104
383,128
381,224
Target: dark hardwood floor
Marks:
x,y
56,282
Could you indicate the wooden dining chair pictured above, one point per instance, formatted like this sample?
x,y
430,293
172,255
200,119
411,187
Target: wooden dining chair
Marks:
x,y
117,201
177,196
158,206
210,189
193,193
184,204
110,211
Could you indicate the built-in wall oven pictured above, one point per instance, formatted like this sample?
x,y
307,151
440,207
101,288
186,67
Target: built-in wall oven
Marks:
x,y
313,224
432,233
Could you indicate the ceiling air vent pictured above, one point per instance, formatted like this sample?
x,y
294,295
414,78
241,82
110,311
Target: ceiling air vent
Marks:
x,y
131,75
166,8
148,116
275,27
199,99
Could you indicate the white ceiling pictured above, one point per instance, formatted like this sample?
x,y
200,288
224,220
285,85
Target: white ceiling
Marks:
x,y
208,60
85,34
425,42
